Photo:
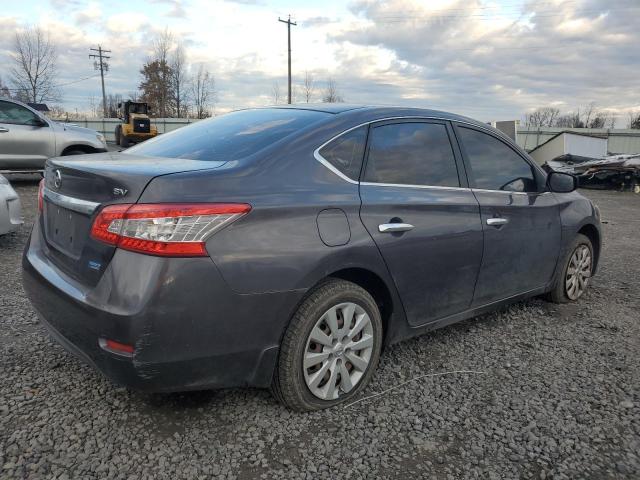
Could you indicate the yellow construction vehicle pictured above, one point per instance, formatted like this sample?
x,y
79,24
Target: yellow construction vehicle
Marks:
x,y
136,125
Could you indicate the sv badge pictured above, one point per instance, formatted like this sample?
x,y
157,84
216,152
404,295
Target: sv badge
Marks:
x,y
120,191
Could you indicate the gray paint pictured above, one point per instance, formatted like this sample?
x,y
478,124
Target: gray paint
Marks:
x,y
333,227
218,321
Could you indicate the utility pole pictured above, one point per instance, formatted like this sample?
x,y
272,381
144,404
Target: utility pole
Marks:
x,y
103,66
289,23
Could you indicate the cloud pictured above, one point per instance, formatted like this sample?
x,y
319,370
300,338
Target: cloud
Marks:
x,y
544,54
177,8
486,59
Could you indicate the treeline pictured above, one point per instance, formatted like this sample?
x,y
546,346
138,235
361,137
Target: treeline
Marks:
x,y
584,117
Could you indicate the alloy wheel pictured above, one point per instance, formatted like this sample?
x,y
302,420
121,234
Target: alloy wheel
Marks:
x,y
578,272
338,351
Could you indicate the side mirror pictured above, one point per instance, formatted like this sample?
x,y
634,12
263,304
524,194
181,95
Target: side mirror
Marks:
x,y
38,122
561,182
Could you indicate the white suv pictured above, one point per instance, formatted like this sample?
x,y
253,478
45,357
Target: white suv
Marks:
x,y
27,138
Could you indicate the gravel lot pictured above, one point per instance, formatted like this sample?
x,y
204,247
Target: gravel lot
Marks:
x,y
559,397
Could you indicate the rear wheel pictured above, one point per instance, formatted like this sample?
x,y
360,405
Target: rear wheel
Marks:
x,y
331,348
573,280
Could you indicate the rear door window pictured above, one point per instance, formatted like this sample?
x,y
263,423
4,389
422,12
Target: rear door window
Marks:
x,y
417,153
494,164
346,152
231,136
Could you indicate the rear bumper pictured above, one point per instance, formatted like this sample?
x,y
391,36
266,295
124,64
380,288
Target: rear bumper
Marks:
x,y
10,210
189,330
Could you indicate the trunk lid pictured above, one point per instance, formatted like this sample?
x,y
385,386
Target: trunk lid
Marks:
x,y
77,187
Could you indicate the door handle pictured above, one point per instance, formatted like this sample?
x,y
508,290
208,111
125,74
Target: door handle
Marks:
x,y
497,222
3,130
394,227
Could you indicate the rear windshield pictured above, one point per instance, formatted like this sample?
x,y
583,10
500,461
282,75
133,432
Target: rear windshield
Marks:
x,y
229,137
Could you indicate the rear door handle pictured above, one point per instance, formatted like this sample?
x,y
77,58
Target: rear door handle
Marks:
x,y
3,130
496,222
394,227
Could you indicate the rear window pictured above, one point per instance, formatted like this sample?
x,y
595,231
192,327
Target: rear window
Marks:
x,y
229,137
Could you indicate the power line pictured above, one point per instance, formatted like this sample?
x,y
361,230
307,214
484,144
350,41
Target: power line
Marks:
x,y
58,85
289,23
101,65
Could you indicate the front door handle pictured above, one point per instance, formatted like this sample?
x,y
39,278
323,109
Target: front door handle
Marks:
x,y
497,222
3,130
394,227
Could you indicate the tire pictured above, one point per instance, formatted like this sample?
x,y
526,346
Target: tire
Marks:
x,y
294,385
124,142
580,255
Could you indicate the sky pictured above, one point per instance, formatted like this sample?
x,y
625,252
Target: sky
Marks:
x,y
488,59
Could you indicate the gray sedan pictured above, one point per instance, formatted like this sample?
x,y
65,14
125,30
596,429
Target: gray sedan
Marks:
x,y
28,139
285,247
10,211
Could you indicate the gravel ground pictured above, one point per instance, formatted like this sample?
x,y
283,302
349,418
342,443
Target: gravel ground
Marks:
x,y
559,397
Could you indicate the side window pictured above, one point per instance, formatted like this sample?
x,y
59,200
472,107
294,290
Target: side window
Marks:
x,y
411,154
494,165
16,114
346,152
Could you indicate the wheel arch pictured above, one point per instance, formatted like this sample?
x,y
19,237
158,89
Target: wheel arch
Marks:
x,y
376,287
78,147
591,232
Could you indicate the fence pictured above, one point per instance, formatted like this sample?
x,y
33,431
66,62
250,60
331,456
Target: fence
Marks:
x,y
619,140
107,126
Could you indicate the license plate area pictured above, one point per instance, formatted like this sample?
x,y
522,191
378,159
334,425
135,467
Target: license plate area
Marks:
x,y
66,230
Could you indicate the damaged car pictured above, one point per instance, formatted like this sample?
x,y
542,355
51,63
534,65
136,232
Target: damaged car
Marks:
x,y
285,247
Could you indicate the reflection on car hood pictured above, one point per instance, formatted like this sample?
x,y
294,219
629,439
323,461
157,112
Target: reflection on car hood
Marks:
x,y
74,128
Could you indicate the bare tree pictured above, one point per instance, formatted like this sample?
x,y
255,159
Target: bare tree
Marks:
x,y
569,120
611,122
542,117
58,112
588,115
112,105
634,120
308,87
203,91
276,95
331,94
179,79
95,107
34,72
4,90
162,45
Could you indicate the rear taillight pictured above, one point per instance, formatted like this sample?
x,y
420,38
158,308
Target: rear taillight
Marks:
x,y
40,195
173,230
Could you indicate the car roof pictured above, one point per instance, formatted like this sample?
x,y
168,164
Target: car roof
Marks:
x,y
379,111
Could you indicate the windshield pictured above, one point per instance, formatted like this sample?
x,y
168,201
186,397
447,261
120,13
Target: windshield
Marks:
x,y
229,137
138,108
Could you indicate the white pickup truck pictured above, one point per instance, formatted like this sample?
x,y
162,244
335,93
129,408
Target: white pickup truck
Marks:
x,y
28,139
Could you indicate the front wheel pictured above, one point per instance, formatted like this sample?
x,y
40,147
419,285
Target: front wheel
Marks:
x,y
331,348
572,281
124,141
